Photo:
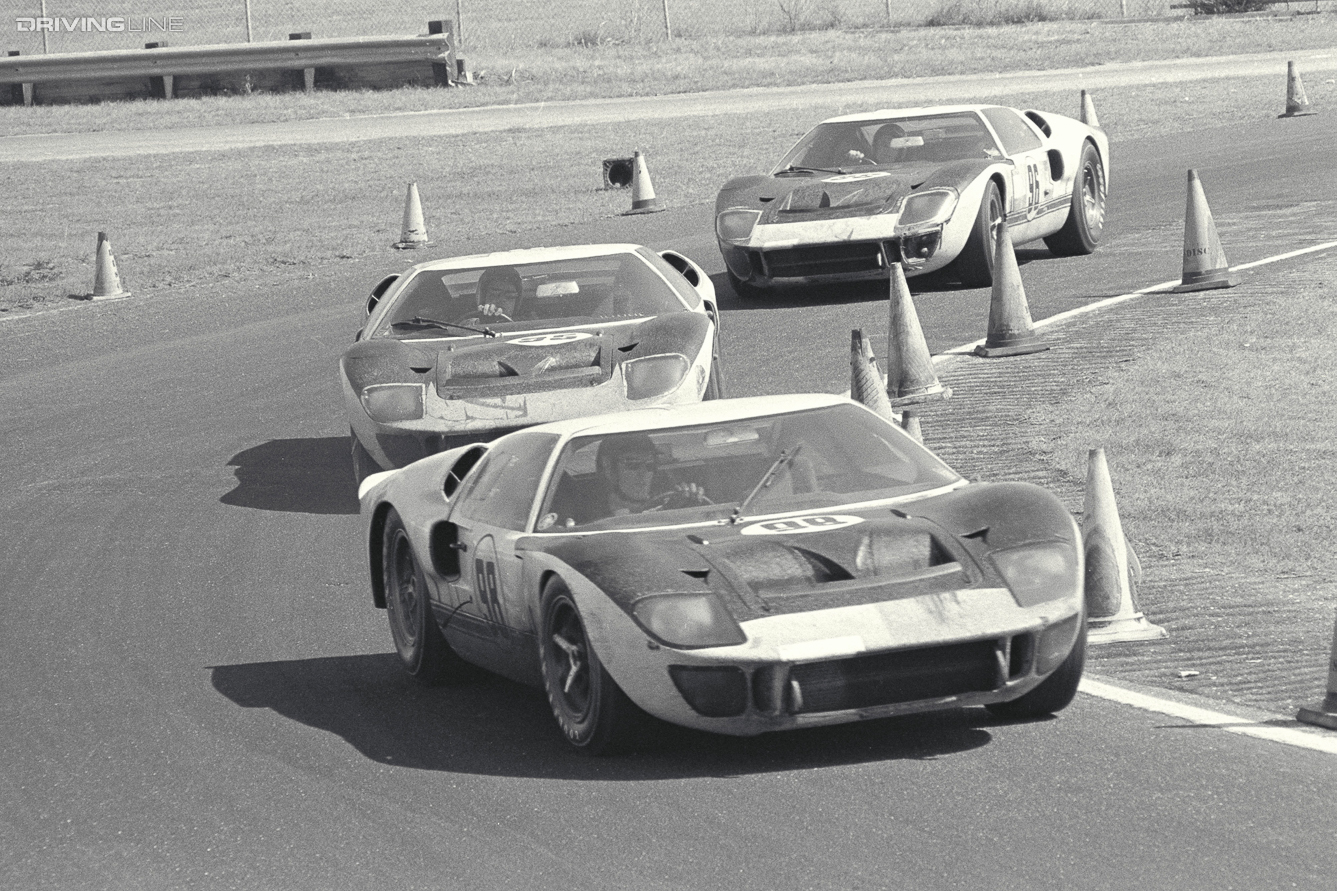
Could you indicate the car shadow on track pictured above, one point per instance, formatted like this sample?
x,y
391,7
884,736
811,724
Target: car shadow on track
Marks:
x,y
487,725
310,476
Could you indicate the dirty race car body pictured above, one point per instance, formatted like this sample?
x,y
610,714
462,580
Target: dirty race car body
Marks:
x,y
836,571
594,328
923,187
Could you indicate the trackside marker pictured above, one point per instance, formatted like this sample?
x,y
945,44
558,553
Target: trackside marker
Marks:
x,y
1304,739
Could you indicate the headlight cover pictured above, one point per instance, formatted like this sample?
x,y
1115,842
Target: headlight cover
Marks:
x,y
1039,573
688,621
654,375
926,209
386,403
736,224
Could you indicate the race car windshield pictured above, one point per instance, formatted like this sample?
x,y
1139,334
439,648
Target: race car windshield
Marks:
x,y
497,299
807,460
854,145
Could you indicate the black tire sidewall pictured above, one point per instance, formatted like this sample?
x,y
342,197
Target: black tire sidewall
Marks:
x,y
411,650
580,730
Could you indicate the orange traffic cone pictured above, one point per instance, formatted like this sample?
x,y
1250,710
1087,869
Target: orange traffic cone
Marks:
x,y
866,383
1011,332
1088,115
414,232
106,281
910,376
1205,264
643,198
1325,713
1297,103
1111,567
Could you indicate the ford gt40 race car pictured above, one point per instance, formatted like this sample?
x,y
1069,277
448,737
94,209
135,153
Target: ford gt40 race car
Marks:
x,y
466,349
737,566
923,187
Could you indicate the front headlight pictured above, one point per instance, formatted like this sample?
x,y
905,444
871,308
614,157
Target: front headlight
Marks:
x,y
688,621
385,403
654,375
736,224
932,207
1039,573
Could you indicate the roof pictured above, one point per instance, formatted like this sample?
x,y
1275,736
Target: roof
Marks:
x,y
711,412
922,111
528,255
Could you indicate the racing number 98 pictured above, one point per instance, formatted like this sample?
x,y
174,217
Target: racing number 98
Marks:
x,y
485,584
1032,185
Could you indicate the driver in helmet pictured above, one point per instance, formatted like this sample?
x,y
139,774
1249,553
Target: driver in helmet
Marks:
x,y
499,290
627,465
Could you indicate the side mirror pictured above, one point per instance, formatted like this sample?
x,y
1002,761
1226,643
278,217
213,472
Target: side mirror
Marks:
x,y
379,291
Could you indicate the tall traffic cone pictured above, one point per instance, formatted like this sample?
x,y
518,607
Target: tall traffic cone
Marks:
x,y
414,232
1325,713
1205,264
910,424
106,281
1111,568
643,198
911,379
1011,332
866,384
1297,103
1088,115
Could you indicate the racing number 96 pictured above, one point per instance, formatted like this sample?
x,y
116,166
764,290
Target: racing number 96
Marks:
x,y
485,584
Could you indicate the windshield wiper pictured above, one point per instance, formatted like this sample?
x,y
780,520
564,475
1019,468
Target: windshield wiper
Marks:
x,y
786,458
420,322
799,168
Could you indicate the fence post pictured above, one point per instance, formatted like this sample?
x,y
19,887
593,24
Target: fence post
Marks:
x,y
668,26
20,92
444,73
308,74
161,87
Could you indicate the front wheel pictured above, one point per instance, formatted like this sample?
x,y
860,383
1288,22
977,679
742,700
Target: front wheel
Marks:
x,y
1086,219
744,290
364,465
422,648
974,265
595,716
1055,692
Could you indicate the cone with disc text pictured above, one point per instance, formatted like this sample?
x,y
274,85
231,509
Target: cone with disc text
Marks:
x,y
1324,714
911,379
1011,332
1112,613
106,280
414,232
1205,264
1088,115
1297,103
643,198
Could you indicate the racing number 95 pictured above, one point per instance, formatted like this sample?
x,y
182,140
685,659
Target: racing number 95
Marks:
x,y
485,584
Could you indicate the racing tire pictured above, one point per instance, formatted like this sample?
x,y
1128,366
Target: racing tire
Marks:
x,y
593,713
974,265
364,465
714,383
422,648
1055,692
744,290
1086,220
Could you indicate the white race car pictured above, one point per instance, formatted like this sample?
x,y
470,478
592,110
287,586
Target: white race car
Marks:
x,y
923,187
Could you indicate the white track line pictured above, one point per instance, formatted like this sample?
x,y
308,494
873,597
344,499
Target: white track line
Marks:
x,y
1291,736
1112,301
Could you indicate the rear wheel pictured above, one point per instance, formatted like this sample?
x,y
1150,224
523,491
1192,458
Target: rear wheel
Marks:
x,y
595,716
1055,692
422,648
974,265
1086,220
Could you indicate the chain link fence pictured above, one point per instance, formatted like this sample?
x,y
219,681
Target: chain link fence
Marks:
x,y
498,26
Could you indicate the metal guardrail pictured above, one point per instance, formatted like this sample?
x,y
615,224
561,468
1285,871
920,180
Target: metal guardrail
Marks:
x,y
301,55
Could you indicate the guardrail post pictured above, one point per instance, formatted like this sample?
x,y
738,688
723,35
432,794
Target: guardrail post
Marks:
x,y
308,74
20,92
443,73
161,87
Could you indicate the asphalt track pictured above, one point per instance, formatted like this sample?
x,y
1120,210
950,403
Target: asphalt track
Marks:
x,y
197,693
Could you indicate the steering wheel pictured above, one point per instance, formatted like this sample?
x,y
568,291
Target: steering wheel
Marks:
x,y
666,500
478,320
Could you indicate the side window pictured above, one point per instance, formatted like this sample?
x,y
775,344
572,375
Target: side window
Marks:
x,y
1013,131
501,491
